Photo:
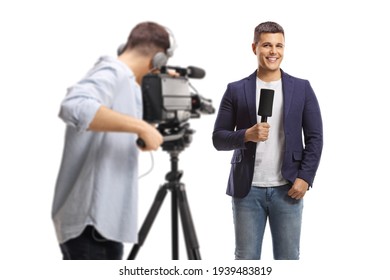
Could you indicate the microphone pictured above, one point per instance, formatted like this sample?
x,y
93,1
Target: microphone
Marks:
x,y
190,71
265,103
195,72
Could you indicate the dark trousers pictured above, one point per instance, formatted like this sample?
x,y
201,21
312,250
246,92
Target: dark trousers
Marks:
x,y
91,245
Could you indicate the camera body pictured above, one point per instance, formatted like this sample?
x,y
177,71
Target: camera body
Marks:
x,y
166,98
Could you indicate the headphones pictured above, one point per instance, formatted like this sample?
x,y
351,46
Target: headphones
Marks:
x,y
161,58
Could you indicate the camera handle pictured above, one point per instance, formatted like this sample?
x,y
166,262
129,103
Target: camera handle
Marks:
x,y
167,138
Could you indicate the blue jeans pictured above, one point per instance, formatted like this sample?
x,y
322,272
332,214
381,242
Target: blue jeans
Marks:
x,y
90,245
250,217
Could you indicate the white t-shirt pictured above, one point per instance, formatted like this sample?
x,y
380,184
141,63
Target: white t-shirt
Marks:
x,y
269,154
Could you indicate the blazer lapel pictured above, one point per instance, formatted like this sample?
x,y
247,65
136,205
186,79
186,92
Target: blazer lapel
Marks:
x,y
288,88
250,96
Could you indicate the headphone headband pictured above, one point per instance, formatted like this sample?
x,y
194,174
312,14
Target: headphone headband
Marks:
x,y
172,43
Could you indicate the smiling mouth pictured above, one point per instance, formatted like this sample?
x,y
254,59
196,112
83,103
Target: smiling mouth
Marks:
x,y
272,59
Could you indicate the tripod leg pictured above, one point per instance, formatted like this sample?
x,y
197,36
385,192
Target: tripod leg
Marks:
x,y
158,200
188,225
174,226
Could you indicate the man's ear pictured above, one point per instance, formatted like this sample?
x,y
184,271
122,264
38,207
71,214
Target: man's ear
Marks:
x,y
254,45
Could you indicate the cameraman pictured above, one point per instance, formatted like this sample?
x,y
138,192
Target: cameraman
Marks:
x,y
95,202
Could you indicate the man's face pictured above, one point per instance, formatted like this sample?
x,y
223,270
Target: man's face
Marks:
x,y
269,51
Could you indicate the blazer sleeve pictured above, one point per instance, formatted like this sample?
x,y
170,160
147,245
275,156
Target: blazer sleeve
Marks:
x,y
226,136
313,136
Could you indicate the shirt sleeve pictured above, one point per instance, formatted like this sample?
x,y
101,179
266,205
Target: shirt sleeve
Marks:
x,y
83,100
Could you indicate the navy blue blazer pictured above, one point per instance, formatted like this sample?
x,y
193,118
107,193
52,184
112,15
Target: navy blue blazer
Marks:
x,y
302,129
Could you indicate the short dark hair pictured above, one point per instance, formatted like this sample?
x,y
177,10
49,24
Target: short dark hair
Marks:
x,y
267,27
147,37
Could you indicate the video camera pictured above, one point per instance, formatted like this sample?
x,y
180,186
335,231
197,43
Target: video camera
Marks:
x,y
169,102
169,99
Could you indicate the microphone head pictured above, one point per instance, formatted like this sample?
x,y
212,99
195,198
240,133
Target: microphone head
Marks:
x,y
195,72
266,102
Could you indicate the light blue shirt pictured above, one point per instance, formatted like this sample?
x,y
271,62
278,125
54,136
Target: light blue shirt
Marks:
x,y
97,182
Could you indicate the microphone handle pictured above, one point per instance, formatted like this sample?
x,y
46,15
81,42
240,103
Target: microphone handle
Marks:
x,y
263,118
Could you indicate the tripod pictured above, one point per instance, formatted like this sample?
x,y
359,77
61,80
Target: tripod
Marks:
x,y
179,202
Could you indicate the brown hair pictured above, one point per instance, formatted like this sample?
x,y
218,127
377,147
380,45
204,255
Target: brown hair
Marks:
x,y
148,37
267,27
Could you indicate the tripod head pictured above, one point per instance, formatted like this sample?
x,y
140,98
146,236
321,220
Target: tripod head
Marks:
x,y
177,136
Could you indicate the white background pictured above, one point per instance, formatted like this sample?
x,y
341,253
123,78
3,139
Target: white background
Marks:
x,y
341,47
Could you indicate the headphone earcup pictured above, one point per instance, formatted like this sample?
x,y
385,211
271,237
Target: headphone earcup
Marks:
x,y
121,49
160,59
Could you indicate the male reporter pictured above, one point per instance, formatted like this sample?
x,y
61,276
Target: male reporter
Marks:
x,y
95,202
274,162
